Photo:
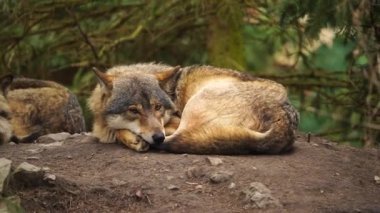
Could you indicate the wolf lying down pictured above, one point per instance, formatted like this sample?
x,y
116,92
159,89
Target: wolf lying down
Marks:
x,y
30,108
203,109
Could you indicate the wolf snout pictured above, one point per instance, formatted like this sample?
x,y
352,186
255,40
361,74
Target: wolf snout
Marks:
x,y
158,138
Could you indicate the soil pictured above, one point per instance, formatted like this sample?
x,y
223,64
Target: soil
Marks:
x,y
318,176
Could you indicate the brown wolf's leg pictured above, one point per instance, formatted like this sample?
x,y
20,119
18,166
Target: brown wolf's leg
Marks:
x,y
132,141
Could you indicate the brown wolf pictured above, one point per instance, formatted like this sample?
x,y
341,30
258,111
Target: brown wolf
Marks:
x,y
228,112
129,106
40,107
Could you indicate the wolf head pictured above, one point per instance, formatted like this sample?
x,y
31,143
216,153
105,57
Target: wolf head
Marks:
x,y
5,126
135,102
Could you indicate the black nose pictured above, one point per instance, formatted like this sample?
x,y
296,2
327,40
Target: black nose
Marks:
x,y
158,138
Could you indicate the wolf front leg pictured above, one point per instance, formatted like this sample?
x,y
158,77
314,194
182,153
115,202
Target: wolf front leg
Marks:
x,y
132,141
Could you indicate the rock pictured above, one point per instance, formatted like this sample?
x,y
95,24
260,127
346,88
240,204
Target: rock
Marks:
x,y
52,145
11,204
27,167
169,177
5,169
173,187
221,176
35,151
195,172
232,185
45,169
257,195
198,187
214,161
50,178
117,182
27,174
377,179
50,138
32,158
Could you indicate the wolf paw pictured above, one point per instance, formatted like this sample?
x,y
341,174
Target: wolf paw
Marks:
x,y
132,141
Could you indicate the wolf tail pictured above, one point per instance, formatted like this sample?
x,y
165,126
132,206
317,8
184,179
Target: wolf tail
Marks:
x,y
228,140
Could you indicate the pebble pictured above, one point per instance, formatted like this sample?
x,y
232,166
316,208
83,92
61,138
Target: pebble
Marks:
x,y
221,176
173,187
232,185
32,158
377,179
5,169
214,161
195,172
257,195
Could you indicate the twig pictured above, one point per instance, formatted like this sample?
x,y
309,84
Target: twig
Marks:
x,y
84,35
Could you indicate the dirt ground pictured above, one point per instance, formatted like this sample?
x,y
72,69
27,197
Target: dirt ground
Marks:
x,y
316,177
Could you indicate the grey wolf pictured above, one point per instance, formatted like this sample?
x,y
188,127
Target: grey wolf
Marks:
x,y
129,106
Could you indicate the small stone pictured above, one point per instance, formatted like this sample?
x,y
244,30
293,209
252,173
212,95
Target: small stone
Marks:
x,y
69,157
254,168
257,195
377,179
195,172
5,169
32,158
146,158
214,161
45,169
314,144
50,177
198,187
27,167
321,191
195,161
35,151
49,138
12,143
232,185
221,176
52,145
117,182
185,155
139,194
173,187
169,177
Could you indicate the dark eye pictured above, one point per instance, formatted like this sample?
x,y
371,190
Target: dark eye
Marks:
x,y
133,110
157,107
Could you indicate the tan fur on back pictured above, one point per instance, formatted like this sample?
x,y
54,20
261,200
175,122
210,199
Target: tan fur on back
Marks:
x,y
227,112
43,107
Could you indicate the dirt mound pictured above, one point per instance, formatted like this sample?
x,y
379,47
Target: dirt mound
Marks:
x,y
90,177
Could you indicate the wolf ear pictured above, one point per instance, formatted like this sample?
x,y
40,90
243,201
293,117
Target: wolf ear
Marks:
x,y
105,80
5,83
166,74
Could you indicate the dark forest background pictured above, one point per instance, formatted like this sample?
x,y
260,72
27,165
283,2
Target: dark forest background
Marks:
x,y
327,53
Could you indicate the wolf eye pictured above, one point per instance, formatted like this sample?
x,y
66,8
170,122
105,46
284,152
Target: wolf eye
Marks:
x,y
133,110
157,107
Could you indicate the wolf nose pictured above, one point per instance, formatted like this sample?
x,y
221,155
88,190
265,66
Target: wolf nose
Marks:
x,y
158,138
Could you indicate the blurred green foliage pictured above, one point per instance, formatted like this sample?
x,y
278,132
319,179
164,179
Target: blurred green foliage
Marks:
x,y
325,52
